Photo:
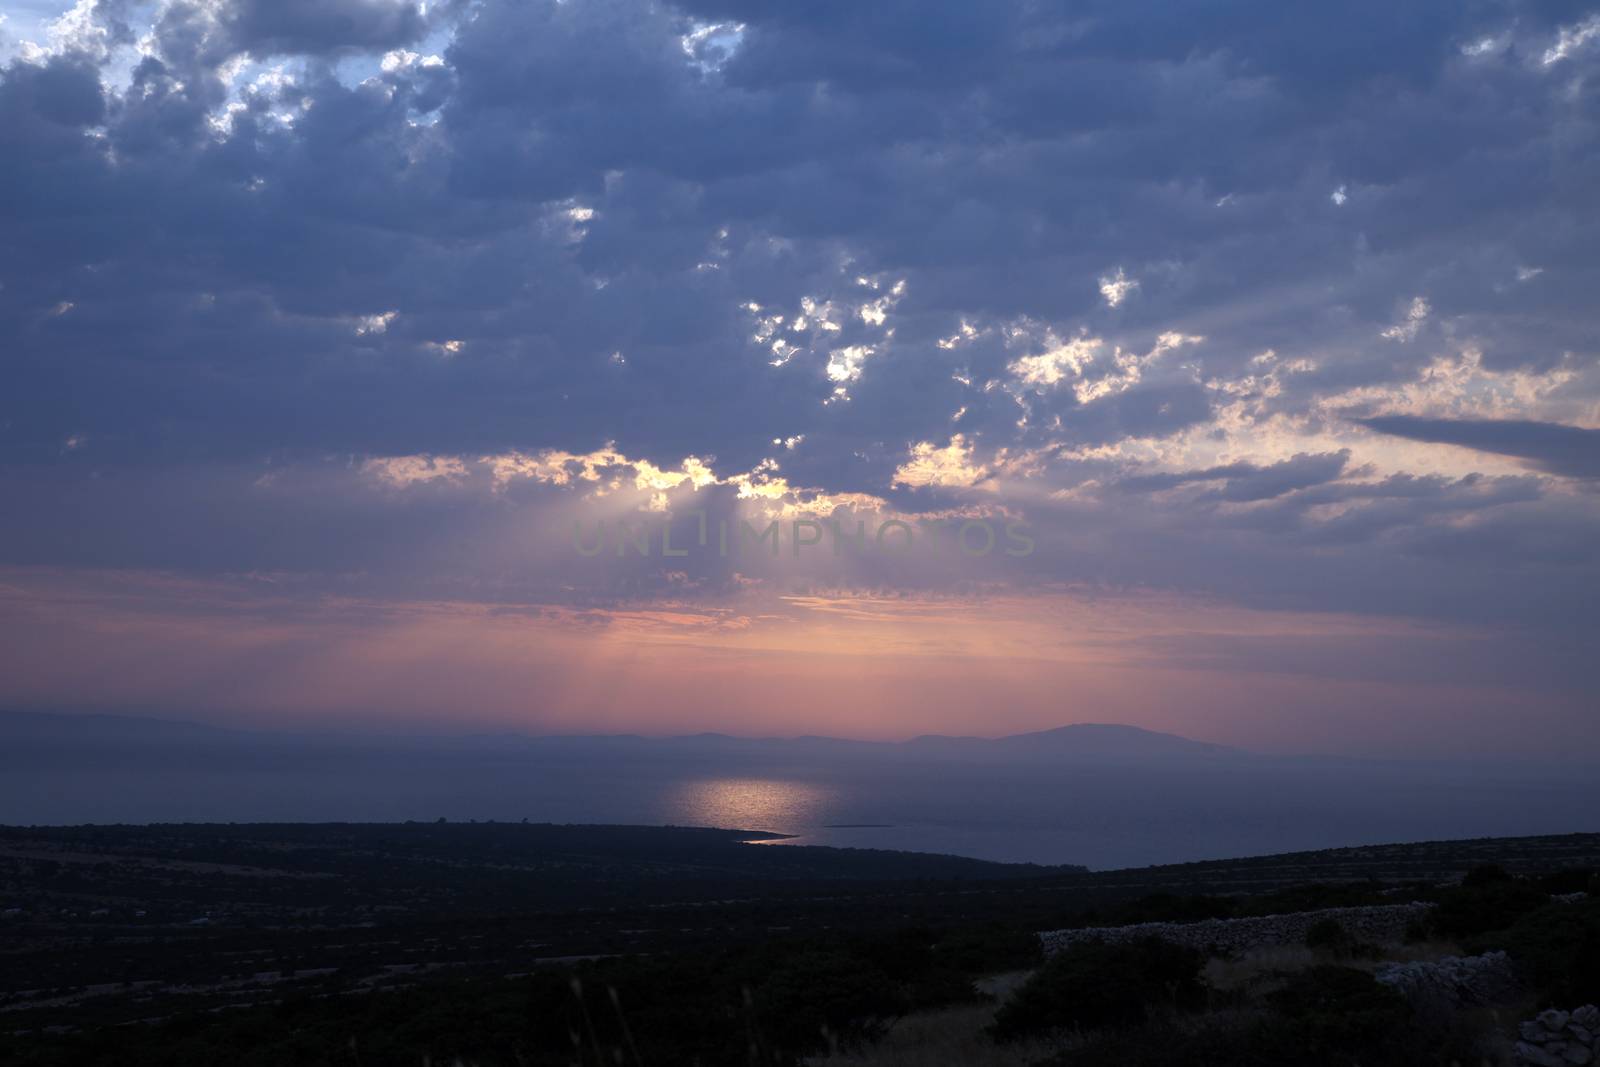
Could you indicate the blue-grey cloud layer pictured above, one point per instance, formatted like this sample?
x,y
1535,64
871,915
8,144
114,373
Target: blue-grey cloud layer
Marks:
x,y
568,229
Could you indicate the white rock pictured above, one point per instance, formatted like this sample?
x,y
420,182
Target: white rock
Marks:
x,y
1552,1019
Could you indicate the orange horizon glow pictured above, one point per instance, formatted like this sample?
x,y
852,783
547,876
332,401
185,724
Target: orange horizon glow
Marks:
x,y
860,666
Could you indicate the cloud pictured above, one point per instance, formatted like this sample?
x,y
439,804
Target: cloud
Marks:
x,y
1117,287
345,290
1571,451
315,27
932,465
1247,481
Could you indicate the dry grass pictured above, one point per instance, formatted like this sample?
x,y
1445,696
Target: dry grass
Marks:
x,y
1252,966
950,1036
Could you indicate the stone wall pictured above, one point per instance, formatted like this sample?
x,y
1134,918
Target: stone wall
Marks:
x,y
1560,1039
1376,924
1454,980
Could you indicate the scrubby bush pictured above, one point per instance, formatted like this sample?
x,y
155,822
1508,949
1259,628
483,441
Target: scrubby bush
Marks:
x,y
820,991
1485,874
1323,1017
1573,880
1093,984
1487,904
1315,897
1329,1007
1327,935
1211,1043
1557,949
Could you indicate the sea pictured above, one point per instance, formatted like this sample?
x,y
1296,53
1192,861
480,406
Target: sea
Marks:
x,y
1099,815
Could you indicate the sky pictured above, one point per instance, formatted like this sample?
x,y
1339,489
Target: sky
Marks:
x,y
1254,344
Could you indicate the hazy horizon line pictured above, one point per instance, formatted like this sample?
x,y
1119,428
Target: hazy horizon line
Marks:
x,y
378,731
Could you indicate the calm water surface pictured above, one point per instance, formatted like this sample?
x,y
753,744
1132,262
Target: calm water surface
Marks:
x,y
1099,816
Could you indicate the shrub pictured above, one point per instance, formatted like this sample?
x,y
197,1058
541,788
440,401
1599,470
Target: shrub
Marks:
x,y
1338,1008
1323,1016
1210,1044
1326,1017
1557,949
827,986
1487,905
1485,874
1315,897
1572,880
1094,984
1327,935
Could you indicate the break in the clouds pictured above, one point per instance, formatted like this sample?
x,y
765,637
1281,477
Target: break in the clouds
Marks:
x,y
1251,304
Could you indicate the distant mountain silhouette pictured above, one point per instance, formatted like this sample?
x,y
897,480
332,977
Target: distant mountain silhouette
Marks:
x,y
1078,741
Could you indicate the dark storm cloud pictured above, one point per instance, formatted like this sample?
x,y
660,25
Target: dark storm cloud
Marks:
x,y
1567,450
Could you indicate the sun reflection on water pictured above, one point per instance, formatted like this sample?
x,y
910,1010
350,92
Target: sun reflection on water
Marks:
x,y
771,804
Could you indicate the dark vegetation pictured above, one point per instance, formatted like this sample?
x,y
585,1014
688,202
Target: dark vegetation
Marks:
x,y
517,944
1326,1016
1095,985
1140,1006
1555,943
